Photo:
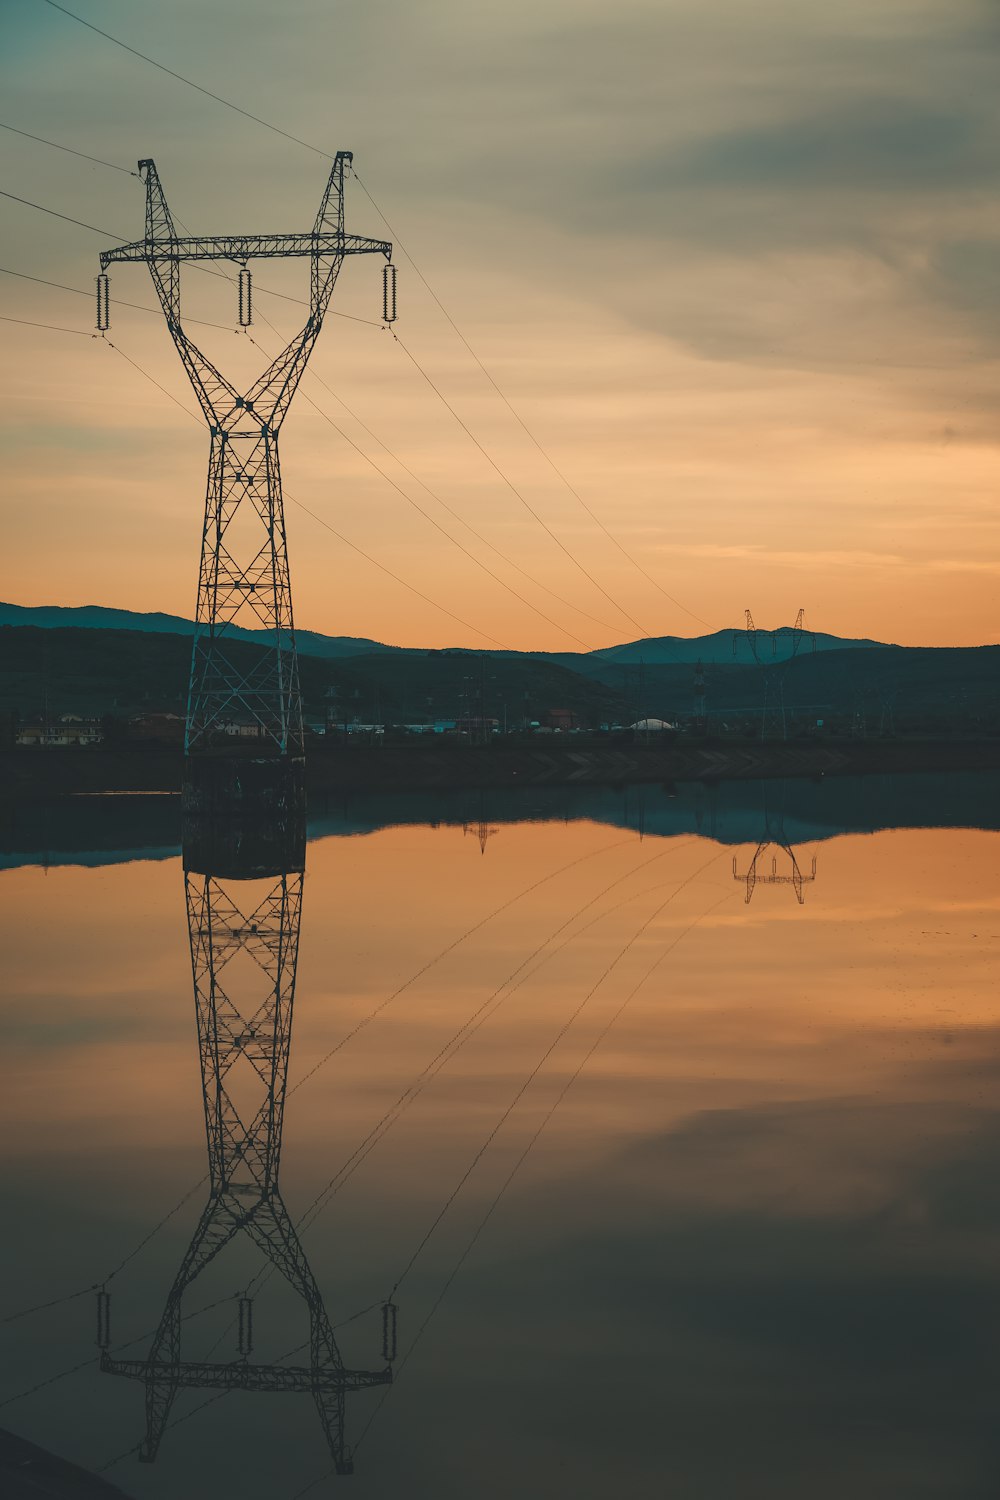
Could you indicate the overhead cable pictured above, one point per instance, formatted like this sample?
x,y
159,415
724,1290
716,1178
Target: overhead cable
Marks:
x,y
317,150
517,416
429,518
353,545
99,160
515,491
181,79
55,327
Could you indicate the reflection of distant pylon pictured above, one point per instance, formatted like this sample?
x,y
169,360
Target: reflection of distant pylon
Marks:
x,y
773,836
482,827
483,830
755,876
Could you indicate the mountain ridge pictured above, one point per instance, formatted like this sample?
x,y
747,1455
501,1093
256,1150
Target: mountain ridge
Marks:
x,y
662,650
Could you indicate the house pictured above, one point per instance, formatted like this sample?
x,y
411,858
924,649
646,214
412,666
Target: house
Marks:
x,y
562,719
157,729
69,729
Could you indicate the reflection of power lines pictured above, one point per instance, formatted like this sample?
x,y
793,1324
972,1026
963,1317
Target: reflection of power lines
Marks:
x,y
243,958
773,837
763,647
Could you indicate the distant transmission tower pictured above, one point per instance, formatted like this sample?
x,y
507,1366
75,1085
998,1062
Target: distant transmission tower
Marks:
x,y
244,577
700,714
774,723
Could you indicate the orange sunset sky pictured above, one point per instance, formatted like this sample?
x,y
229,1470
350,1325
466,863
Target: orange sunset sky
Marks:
x,y
735,267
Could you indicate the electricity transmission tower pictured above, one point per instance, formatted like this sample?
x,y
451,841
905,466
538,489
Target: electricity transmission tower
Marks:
x,y
774,723
244,576
700,715
243,958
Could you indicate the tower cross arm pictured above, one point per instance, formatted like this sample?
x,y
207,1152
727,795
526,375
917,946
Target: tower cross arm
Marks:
x,y
243,247
241,1375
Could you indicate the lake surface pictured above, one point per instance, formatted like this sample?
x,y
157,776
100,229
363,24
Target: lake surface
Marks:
x,y
692,1184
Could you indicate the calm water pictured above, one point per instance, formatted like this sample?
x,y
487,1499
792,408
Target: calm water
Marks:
x,y
754,1249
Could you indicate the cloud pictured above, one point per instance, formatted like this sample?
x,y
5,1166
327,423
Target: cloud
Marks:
x,y
725,256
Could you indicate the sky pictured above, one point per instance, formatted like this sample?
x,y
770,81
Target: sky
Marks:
x,y
731,266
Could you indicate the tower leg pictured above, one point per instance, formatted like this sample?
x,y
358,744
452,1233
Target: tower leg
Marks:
x,y
241,693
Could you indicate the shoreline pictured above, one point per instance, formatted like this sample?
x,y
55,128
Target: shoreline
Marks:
x,y
55,772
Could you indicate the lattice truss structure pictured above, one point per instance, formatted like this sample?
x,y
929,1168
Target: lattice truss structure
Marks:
x,y
244,576
244,963
759,873
774,723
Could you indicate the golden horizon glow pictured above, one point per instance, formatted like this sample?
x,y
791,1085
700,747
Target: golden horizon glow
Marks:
x,y
738,292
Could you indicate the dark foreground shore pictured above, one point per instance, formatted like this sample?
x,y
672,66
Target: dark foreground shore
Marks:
x,y
30,774
28,1472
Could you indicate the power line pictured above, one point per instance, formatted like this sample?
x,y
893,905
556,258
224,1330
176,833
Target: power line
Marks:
x,y
347,543
56,215
562,1094
360,1026
495,1201
91,1359
152,380
395,576
461,519
510,589
429,518
354,547
268,125
517,416
56,327
457,1041
515,491
205,270
180,77
353,1162
455,943
79,292
538,1066
72,151
25,1312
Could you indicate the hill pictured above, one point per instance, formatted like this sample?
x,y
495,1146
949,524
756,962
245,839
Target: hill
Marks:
x,y
654,651
92,671
97,617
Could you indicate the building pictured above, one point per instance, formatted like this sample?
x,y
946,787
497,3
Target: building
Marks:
x,y
157,729
69,729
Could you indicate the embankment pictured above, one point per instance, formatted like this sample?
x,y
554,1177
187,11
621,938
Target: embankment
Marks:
x,y
30,774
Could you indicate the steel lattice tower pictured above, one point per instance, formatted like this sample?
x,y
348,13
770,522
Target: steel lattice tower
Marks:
x,y
244,576
244,1016
773,722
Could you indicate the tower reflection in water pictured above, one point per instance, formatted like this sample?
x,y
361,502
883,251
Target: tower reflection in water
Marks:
x,y
760,870
244,903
